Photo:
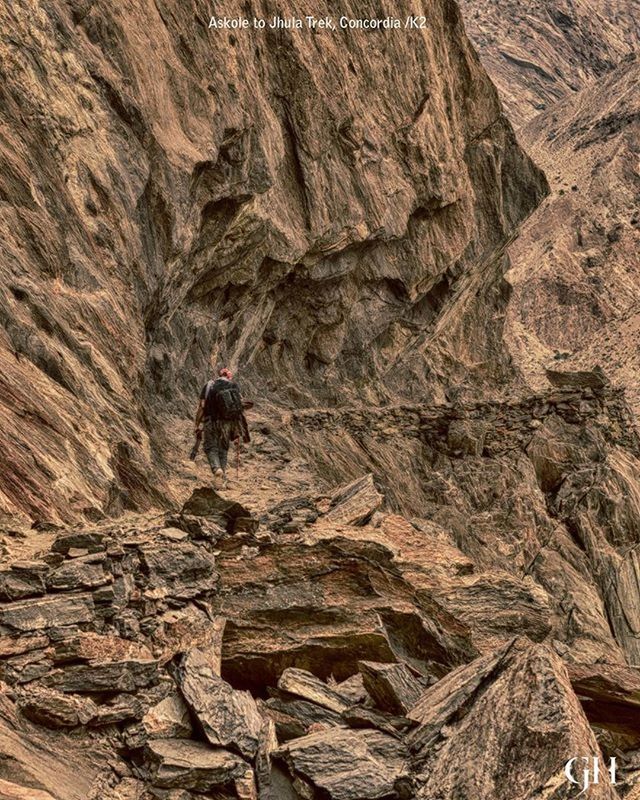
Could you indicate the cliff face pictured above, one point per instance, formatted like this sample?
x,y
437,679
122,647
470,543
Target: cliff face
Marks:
x,y
293,203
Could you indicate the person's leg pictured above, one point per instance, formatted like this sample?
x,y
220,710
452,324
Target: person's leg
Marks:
x,y
210,446
223,453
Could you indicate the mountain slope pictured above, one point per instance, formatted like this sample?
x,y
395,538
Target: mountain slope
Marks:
x,y
575,268
538,53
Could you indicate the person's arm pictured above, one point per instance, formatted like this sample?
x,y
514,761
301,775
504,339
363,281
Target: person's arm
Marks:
x,y
199,414
200,411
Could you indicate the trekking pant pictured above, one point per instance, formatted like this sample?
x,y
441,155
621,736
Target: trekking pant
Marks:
x,y
216,444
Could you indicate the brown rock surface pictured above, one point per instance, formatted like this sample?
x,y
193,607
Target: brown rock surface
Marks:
x,y
35,760
329,213
539,53
512,720
195,222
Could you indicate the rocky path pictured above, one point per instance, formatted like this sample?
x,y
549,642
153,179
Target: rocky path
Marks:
x,y
286,639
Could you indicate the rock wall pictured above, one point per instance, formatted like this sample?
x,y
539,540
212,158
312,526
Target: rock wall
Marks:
x,y
575,266
325,212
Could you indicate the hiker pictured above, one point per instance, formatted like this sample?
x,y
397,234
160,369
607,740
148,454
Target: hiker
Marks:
x,y
220,409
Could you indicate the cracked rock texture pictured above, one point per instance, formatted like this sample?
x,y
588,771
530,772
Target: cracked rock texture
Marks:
x,y
423,583
539,53
288,202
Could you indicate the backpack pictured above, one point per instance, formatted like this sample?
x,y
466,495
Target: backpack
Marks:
x,y
227,403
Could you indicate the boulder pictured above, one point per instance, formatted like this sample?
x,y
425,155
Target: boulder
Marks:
x,y
354,504
495,604
121,708
181,569
77,574
18,584
180,630
168,719
98,648
304,684
186,764
16,645
392,687
54,709
323,607
205,502
92,542
46,612
501,727
343,764
229,718
578,379
112,676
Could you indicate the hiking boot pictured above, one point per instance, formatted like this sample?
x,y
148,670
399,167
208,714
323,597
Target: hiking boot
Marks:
x,y
218,478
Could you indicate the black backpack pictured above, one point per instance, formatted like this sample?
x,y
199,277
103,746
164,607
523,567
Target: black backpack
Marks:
x,y
226,400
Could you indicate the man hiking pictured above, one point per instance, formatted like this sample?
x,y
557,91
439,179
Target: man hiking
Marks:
x,y
220,409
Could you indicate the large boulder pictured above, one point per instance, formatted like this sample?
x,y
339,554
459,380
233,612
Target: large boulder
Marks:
x,y
229,717
323,607
502,727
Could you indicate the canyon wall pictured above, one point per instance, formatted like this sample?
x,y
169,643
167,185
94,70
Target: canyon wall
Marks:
x,y
326,212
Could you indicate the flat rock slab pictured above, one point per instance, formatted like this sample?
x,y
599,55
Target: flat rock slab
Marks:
x,y
92,542
186,764
348,764
115,676
39,614
96,647
578,379
392,687
229,717
77,575
304,684
354,504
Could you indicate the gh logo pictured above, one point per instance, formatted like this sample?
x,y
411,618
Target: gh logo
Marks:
x,y
590,772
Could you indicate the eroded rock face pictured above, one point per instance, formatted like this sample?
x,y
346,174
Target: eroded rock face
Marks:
x,y
299,211
590,226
